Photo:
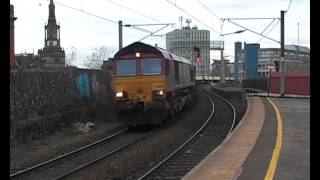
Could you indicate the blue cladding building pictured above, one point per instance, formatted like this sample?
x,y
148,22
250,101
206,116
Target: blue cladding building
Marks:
x,y
237,53
251,59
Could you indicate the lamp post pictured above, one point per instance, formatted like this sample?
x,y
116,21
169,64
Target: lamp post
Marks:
x,y
120,35
282,79
222,75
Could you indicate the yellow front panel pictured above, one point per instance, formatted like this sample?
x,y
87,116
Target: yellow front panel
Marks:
x,y
139,88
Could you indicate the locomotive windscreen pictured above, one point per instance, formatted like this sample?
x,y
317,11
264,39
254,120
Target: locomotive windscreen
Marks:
x,y
126,68
151,66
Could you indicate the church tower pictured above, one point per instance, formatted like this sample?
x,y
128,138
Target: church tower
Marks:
x,y
52,55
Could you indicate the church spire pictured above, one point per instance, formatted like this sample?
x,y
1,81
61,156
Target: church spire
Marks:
x,y
52,17
52,55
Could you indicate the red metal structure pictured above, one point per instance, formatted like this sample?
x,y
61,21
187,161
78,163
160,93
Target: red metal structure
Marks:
x,y
297,83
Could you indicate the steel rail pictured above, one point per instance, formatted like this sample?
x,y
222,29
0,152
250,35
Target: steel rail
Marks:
x,y
233,109
183,145
196,133
105,155
67,154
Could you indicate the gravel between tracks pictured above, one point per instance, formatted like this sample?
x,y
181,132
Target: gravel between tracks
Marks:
x,y
143,155
25,155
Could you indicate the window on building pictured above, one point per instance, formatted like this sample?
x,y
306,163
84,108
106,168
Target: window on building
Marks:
x,y
267,53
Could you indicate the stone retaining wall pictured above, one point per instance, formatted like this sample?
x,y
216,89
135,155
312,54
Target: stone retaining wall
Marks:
x,y
44,100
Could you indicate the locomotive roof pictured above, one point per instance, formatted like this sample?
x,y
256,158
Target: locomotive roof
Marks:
x,y
142,47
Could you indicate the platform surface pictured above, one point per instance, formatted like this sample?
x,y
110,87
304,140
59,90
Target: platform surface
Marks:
x,y
247,153
225,161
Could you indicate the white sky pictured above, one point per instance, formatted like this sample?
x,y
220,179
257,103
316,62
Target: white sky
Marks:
x,y
86,32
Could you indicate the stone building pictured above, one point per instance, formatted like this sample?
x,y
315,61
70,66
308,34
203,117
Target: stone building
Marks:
x,y
52,55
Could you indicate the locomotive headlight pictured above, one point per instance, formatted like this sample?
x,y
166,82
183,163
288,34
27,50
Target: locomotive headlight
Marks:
x,y
138,54
119,94
159,92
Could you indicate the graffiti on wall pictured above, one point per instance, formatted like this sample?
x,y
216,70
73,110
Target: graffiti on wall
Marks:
x,y
82,82
44,92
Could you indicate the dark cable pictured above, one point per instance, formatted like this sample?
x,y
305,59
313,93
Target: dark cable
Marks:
x,y
134,11
208,9
192,16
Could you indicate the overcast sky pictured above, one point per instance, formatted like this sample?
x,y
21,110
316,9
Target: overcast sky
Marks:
x,y
86,32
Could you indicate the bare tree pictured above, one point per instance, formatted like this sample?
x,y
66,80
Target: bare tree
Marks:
x,y
95,60
71,55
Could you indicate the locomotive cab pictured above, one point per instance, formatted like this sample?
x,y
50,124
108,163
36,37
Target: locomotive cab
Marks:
x,y
143,84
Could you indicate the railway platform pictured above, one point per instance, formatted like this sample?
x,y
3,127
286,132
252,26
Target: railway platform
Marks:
x,y
271,142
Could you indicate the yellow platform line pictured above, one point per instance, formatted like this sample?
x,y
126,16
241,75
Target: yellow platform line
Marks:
x,y
277,149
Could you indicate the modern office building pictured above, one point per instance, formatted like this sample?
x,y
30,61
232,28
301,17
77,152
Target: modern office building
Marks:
x,y
296,59
183,42
251,58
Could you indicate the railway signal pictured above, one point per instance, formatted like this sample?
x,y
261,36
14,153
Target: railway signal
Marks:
x,y
197,60
197,50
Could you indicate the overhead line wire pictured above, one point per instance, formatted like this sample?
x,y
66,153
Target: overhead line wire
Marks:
x,y
289,6
267,26
91,14
269,30
253,31
123,6
208,9
82,11
192,16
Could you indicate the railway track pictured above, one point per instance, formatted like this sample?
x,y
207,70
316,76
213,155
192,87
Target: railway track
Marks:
x,y
200,144
67,164
175,166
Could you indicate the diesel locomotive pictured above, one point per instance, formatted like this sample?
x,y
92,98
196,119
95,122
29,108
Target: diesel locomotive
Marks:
x,y
151,84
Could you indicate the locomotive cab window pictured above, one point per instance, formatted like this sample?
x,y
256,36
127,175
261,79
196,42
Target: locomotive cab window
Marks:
x,y
151,66
126,68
